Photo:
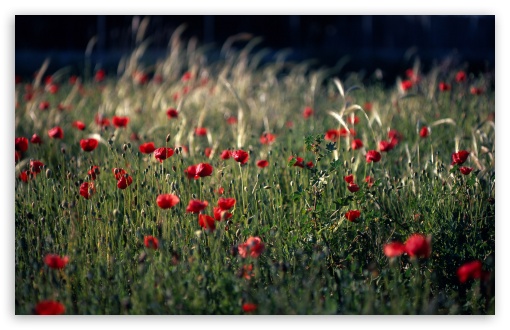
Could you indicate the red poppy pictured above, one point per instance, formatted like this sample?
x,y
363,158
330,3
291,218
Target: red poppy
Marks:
x,y
79,125
226,203
207,152
299,161
100,75
246,272
367,106
309,164
207,222
417,245
36,139
231,120
356,144
147,148
349,178
186,76
424,132
352,215
101,120
373,156
151,242
124,182
307,112
118,173
369,180
25,176
406,85
56,133
199,171
225,154
140,77
172,113
249,307
476,90
240,156
49,307
36,166
93,172
17,156
394,249
459,157
88,144
200,131
87,189
55,261
460,76
344,132
163,153
267,138
331,135
253,247
289,124
385,146
195,206
73,79
352,187
395,136
444,87
220,214
166,201
53,88
470,270
44,105
353,120
120,121
21,144
262,163
465,170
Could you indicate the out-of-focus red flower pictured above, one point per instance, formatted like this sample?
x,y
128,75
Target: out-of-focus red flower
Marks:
x,y
166,201
353,120
240,156
307,112
417,245
36,139
331,135
124,182
100,75
356,144
465,170
17,156
73,79
36,166
367,106
147,148
220,214
352,187
93,172
459,157
246,272
207,152
385,146
134,137
253,247
299,161
349,178
186,76
289,124
369,180
140,77
262,163
163,153
406,85
200,131
231,120
207,222
395,136
344,132
53,88
79,125
267,138
373,156
352,215
460,76
55,261
21,144
118,173
309,164
172,113
249,307
158,79
56,133
424,132
470,270
225,154
120,121
220,191
199,171
394,249
88,144
44,105
49,307
17,79
476,90
87,189
25,176
150,242
226,203
444,87
101,120
195,206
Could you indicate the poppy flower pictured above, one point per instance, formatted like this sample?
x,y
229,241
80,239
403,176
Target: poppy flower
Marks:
x,y
246,272
307,112
352,215
36,139
73,79
17,156
150,242
394,249
53,88
207,222
25,176
349,178
353,120
166,201
459,157
460,76
163,153
369,180
309,164
147,148
88,144
367,106
240,156
199,171
249,307
444,87
200,131
267,138
220,214
100,75
101,120
124,182
299,161
207,152
406,85
79,125
385,146
465,170
118,173
231,120
373,156
220,191
395,136
195,206
93,172
253,247
417,245
172,113
36,166
289,124
55,261
476,90
186,76
331,135
225,154
424,132
262,163
21,144
56,133
470,270
226,203
87,189
44,105
356,144
120,121
157,79
344,132
49,307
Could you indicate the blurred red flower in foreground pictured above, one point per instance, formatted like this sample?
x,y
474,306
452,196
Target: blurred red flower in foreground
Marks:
x,y
369,180
267,138
352,215
172,113
417,245
231,120
163,153
207,222
36,166
240,156
120,121
459,157
249,307
199,171
200,131
424,132
307,112
220,214
226,203
460,76
331,135
124,180
101,120
385,146
44,105
195,206
94,170
470,270
151,242
36,139
225,154
476,90
356,144
21,144
444,87
465,170
87,189
56,133
353,187
253,247
99,76
147,148
406,85
394,249
55,261
367,106
49,307
166,201
262,163
79,125
373,156
88,144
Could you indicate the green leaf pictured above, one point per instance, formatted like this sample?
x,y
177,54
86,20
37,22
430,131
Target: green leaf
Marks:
x,y
292,162
455,169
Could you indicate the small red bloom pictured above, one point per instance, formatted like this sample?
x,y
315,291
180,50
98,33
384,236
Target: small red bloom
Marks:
x,y
373,156
88,144
231,120
406,85
53,88
309,164
93,172
225,154
459,157
395,136
79,125
417,245
203,170
100,74
166,201
343,132
220,214
444,87
119,173
367,106
21,144
56,262
253,247
289,124
87,189
172,113
17,156
207,152
195,206
424,132
207,222
249,307
120,121
352,215
262,163
49,307
299,161
186,76
25,176
331,135
226,203
369,180
44,105
200,131
36,139
163,153
151,242
56,133
101,120
267,138
147,148
465,170
394,249
385,146
349,178
356,144
307,112
220,191
124,182
352,187
353,120
36,166
460,76
240,156
73,79
470,270
476,90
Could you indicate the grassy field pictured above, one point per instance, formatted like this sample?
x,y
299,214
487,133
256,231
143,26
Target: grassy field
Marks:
x,y
269,188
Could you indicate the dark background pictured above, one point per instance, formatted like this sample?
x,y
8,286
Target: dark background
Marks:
x,y
385,42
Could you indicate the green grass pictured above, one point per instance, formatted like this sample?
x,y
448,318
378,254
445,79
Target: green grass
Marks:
x,y
315,261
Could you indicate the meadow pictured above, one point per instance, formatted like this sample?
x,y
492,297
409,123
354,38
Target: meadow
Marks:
x,y
241,186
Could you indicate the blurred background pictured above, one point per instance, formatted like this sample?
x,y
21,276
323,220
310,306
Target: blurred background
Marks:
x,y
389,43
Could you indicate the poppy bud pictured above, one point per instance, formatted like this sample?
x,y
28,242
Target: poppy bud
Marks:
x,y
49,173
124,147
168,138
